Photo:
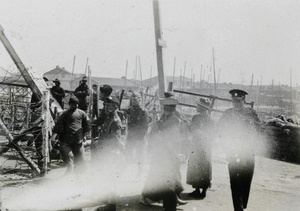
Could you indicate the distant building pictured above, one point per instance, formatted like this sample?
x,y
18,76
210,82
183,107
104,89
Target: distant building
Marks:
x,y
271,95
62,74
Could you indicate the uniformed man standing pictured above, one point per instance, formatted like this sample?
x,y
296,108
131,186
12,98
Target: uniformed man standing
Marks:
x,y
238,129
164,179
81,92
109,148
138,122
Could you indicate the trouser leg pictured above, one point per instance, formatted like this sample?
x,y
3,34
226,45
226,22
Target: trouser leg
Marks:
x,y
236,188
67,156
170,201
78,152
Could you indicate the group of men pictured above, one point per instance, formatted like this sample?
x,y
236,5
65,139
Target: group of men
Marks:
x,y
237,131
120,135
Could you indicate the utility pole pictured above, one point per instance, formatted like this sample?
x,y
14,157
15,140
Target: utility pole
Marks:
x,y
126,73
86,66
214,69
291,84
141,72
174,69
73,67
159,56
184,74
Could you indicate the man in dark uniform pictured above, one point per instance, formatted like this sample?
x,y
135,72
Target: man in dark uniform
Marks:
x,y
72,128
109,148
239,126
138,122
58,92
105,92
164,179
81,92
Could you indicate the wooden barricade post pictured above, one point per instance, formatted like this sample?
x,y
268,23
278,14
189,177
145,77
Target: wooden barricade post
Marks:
x,y
45,128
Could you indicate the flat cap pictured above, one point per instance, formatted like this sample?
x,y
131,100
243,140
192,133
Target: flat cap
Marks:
x,y
84,78
237,93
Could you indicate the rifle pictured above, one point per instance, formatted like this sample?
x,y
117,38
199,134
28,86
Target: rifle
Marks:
x,y
121,97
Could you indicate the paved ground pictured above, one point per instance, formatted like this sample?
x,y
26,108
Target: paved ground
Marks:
x,y
276,187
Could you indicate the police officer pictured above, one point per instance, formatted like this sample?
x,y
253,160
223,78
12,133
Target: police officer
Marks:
x,y
81,92
109,148
58,92
238,127
138,122
163,181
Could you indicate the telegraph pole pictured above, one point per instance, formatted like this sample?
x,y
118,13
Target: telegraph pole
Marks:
x,y
159,45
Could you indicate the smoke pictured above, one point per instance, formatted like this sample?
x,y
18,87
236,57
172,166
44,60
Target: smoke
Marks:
x,y
74,191
242,141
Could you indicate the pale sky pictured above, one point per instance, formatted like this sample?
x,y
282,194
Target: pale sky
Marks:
x,y
260,37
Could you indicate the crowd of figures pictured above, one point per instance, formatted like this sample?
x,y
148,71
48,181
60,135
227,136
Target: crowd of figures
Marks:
x,y
123,136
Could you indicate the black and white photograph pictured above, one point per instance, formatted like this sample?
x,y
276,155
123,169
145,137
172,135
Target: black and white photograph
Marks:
x,y
141,105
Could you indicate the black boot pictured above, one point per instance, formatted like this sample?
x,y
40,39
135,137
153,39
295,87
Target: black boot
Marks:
x,y
108,207
203,194
195,194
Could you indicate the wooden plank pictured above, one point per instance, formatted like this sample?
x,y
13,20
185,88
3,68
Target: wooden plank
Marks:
x,y
210,96
14,143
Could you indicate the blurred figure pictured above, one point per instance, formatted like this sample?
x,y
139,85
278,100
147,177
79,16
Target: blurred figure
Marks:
x,y
138,122
199,172
105,92
72,127
81,92
58,92
95,113
109,148
164,179
239,126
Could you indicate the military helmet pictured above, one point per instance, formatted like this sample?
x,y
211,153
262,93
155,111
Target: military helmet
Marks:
x,y
112,99
106,89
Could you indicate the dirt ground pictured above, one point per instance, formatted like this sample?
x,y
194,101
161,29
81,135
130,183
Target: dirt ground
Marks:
x,y
275,187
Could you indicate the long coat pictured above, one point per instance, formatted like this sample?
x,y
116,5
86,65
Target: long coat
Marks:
x,y
164,174
199,171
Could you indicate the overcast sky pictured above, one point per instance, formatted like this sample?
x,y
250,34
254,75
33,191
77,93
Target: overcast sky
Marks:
x,y
260,37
